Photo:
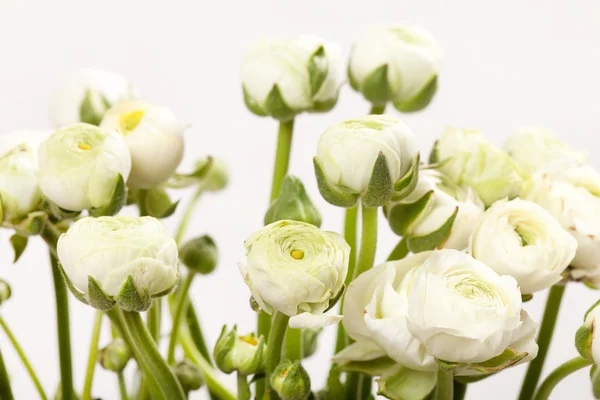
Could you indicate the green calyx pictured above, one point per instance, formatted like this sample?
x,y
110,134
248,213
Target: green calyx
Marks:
x,y
243,354
200,254
156,202
274,105
338,196
375,87
117,200
291,381
93,107
401,216
507,359
401,383
380,188
293,203
421,100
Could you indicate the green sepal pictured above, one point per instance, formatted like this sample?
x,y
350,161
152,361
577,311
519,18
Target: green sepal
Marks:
x,y
335,299
380,188
157,203
18,243
340,197
88,113
276,106
96,296
421,100
31,225
180,181
293,203
589,310
352,80
402,215
508,358
324,106
252,104
435,239
405,185
526,297
583,340
132,299
406,384
433,155
376,88
595,378
79,295
223,346
117,200
61,213
317,70
376,367
1,210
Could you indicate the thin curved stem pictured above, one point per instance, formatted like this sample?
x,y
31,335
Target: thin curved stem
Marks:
x,y
196,332
93,356
187,214
534,370
280,323
180,306
560,373
445,385
12,338
368,243
122,386
350,221
377,109
5,389
282,156
400,251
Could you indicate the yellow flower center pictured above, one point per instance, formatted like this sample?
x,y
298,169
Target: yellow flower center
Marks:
x,y
84,146
297,254
250,339
130,121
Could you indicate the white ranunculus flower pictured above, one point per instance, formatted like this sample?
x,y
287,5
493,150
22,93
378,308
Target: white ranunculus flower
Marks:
x,y
79,165
470,159
154,137
533,147
436,214
411,59
295,268
347,152
306,71
86,96
462,311
521,239
571,193
112,249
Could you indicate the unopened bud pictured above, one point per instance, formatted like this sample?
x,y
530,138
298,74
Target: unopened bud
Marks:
x,y
189,376
293,203
115,356
5,291
291,381
200,255
244,354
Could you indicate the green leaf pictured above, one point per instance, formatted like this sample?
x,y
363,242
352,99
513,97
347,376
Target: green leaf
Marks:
x,y
337,196
408,182
407,384
276,106
317,70
179,181
402,215
117,200
380,188
421,100
433,240
157,203
132,299
376,367
96,296
18,243
252,104
375,87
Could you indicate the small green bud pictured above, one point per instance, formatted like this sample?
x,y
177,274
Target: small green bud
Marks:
x,y
310,340
200,255
115,356
217,177
291,381
244,354
5,291
585,335
293,203
188,375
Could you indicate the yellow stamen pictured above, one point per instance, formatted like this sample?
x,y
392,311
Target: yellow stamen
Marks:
x,y
297,254
249,338
130,121
84,146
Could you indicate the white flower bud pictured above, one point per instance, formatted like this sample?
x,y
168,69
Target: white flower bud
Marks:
x,y
80,164
470,159
587,341
533,147
113,251
282,78
398,64
295,268
86,96
521,239
154,137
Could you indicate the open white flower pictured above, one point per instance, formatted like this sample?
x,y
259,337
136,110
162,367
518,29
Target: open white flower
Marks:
x,y
282,78
398,64
297,269
436,214
154,137
470,159
533,147
79,166
116,250
86,96
462,311
521,239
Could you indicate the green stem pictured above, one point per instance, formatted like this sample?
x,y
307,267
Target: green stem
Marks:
x,y
180,306
560,373
400,251
350,221
64,331
368,243
92,357
243,389
353,385
377,109
12,338
5,389
280,323
282,156
293,344
208,372
122,386
196,332
544,338
445,385
187,214
460,390
154,317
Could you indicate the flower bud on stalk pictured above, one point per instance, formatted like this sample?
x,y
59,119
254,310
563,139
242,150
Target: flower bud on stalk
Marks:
x,y
291,381
5,291
293,203
189,376
200,255
115,356
244,354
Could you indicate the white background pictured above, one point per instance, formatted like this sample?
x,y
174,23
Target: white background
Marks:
x,y
506,65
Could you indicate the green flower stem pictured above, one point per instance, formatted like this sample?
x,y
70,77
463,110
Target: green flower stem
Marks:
x,y
400,251
282,156
187,214
445,385
196,332
544,338
208,372
376,110
154,317
93,357
293,344
368,243
12,338
274,347
180,306
350,221
5,389
560,373
122,386
161,381
243,389
460,390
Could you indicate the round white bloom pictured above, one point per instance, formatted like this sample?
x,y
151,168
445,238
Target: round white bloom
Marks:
x,y
412,56
462,311
296,269
533,147
308,72
154,137
521,239
348,151
86,96
110,249
470,159
79,166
